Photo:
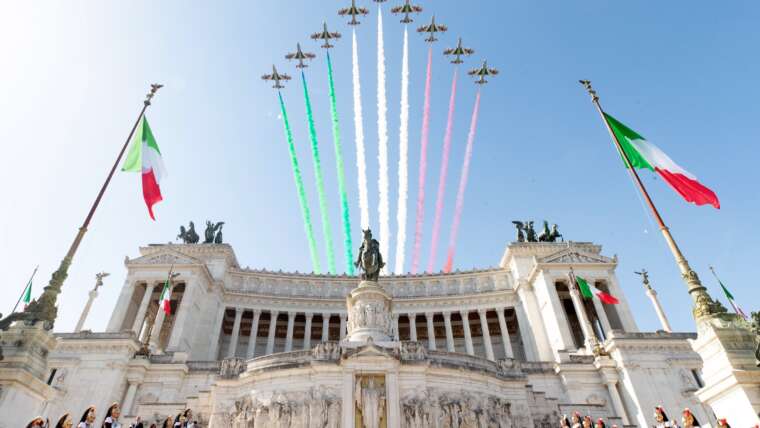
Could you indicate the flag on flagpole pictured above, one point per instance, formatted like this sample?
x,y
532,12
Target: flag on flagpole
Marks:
x,y
730,298
645,155
27,294
589,291
145,157
165,300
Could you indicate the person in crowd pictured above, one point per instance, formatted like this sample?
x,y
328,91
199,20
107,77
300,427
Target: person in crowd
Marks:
x,y
112,417
189,422
138,423
564,422
588,422
88,418
168,422
600,423
576,420
661,418
37,422
65,421
688,420
723,423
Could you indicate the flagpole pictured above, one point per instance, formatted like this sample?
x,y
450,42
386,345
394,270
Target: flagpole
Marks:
x,y
24,290
44,308
704,305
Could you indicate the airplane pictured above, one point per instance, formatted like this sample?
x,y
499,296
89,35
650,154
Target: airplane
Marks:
x,y
353,11
431,29
483,71
277,77
300,56
326,36
458,52
406,9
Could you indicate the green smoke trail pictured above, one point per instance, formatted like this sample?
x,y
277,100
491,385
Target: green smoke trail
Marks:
x,y
318,173
300,189
347,244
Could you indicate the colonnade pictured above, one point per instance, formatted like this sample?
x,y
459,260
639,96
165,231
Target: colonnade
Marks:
x,y
252,332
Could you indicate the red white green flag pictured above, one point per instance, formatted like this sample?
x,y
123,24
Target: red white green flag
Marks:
x,y
589,291
645,155
145,157
27,294
165,300
730,298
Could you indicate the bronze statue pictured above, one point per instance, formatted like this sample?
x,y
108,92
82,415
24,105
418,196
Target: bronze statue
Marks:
x,y
530,233
520,230
546,234
210,232
369,260
218,238
555,234
188,236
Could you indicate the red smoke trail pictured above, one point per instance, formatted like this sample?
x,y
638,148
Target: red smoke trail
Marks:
x,y
462,186
443,174
423,165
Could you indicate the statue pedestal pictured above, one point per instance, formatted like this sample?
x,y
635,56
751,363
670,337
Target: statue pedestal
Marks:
x,y
731,377
369,314
23,372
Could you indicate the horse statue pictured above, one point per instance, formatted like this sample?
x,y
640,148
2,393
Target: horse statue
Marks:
x,y
546,234
188,236
555,234
369,260
530,233
210,232
520,230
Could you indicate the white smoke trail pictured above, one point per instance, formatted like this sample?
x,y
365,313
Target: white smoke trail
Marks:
x,y
403,166
382,141
361,163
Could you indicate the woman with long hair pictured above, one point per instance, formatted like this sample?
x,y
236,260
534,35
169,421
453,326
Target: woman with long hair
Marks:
x,y
88,418
37,422
112,417
65,421
688,420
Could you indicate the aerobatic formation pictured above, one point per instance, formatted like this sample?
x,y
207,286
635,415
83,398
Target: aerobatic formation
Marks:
x,y
456,55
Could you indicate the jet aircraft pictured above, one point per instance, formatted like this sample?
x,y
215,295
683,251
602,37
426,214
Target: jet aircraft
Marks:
x,y
326,35
353,12
407,8
276,77
431,29
300,56
458,52
481,73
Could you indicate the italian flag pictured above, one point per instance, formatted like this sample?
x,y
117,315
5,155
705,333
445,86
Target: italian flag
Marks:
x,y
165,300
730,298
27,294
589,291
145,157
644,154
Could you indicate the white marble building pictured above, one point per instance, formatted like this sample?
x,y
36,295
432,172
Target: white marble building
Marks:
x,y
504,347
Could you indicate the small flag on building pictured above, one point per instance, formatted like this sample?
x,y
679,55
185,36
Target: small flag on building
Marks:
x,y
729,296
145,157
165,300
645,155
27,294
589,291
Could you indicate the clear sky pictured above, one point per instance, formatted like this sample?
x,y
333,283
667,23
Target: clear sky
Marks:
x,y
73,76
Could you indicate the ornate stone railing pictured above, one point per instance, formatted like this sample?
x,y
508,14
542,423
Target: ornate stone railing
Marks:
x,y
89,335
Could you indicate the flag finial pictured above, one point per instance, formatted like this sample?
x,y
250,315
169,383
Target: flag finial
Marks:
x,y
587,84
154,87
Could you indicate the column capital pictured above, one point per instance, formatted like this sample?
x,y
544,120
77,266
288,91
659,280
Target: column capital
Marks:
x,y
429,315
292,314
411,314
326,315
464,313
308,315
447,315
256,312
482,312
342,316
274,312
395,316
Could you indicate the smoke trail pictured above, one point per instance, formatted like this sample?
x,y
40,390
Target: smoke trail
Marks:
x,y
403,167
320,184
462,186
443,174
361,163
382,140
423,166
300,189
347,245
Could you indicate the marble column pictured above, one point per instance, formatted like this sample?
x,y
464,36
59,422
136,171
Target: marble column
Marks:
x,y
235,333
325,327
396,334
289,337
580,311
82,318
272,330
347,397
617,401
486,334
216,338
530,347
155,332
254,334
658,309
116,323
129,398
142,311
505,340
449,332
393,402
307,332
430,331
467,335
342,326
412,327
599,308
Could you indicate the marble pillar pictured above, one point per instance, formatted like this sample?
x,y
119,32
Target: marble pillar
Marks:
x,y
289,336
449,332
505,340
430,331
467,335
307,332
342,326
142,311
251,352
412,327
272,330
486,335
235,333
325,327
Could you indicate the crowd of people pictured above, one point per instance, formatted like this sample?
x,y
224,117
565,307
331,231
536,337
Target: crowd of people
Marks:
x,y
89,418
661,420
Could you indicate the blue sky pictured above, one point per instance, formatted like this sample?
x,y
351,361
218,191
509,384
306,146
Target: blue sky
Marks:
x,y
680,73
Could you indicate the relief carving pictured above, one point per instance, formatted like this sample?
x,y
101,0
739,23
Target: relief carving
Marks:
x,y
318,407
